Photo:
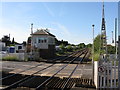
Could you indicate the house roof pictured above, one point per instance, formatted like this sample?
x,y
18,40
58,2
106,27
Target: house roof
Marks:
x,y
42,32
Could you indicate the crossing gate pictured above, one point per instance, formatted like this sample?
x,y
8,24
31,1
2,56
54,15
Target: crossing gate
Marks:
x,y
106,73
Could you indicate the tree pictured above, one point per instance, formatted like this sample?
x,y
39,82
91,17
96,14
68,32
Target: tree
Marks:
x,y
110,49
81,45
24,43
13,41
69,48
57,42
63,49
6,40
62,46
89,45
29,40
97,43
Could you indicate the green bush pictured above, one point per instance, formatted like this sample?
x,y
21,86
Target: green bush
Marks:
x,y
96,56
69,48
62,47
10,58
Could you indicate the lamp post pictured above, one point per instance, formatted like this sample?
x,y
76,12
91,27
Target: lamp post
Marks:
x,y
93,52
31,41
116,37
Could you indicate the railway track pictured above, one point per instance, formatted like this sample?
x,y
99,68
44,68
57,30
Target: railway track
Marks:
x,y
68,79
40,82
54,62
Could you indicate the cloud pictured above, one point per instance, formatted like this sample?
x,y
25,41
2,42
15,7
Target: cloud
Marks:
x,y
62,29
62,10
49,10
63,32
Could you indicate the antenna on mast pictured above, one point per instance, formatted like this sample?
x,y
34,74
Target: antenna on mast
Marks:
x,y
103,15
31,28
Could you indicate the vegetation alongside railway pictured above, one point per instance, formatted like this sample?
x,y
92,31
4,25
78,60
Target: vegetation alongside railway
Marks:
x,y
97,44
67,49
10,58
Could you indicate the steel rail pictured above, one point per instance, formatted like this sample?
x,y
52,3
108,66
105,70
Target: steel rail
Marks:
x,y
20,72
34,67
31,76
38,87
64,87
61,83
22,80
30,79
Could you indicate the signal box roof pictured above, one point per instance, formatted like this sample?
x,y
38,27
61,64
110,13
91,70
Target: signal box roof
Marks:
x,y
43,32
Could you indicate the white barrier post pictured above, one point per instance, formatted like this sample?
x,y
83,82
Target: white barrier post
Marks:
x,y
96,77
111,83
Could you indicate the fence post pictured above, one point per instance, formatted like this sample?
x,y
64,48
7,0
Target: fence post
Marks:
x,y
114,73
108,73
96,76
111,82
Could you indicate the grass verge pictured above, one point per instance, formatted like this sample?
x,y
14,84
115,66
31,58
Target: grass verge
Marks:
x,y
10,58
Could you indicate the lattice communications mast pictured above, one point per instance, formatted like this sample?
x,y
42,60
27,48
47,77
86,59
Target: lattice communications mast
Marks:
x,y
103,35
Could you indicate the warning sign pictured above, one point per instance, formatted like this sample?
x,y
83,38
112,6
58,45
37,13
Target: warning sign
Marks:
x,y
101,69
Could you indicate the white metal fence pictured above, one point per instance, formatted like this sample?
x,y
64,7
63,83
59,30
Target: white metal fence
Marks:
x,y
106,74
19,56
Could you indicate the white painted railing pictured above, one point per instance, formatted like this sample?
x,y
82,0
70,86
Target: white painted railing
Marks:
x,y
106,74
19,56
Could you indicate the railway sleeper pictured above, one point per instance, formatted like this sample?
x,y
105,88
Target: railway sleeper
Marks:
x,y
33,83
86,83
56,83
52,82
9,81
71,84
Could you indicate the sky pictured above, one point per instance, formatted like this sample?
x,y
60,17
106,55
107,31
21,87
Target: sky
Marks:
x,y
119,19
70,21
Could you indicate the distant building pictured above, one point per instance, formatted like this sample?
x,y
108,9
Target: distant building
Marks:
x,y
20,48
43,42
17,48
2,46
